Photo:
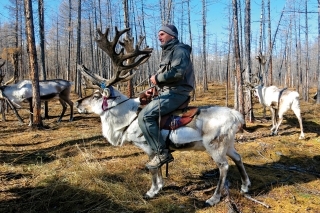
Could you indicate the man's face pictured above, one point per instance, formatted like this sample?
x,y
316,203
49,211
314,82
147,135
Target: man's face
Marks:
x,y
164,37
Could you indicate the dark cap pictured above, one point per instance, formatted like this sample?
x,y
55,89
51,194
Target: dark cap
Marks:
x,y
170,29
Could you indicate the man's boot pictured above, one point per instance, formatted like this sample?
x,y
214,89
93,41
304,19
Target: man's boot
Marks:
x,y
160,159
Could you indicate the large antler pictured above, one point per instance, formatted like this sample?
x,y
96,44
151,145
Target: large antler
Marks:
x,y
132,55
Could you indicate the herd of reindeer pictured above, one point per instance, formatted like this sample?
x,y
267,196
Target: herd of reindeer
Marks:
x,y
213,129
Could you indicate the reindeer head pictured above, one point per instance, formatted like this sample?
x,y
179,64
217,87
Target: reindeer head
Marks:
x,y
255,85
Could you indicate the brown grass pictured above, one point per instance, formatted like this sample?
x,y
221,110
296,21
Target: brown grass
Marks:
x,y
71,168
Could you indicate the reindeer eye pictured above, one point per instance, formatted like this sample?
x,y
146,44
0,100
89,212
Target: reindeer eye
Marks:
x,y
96,95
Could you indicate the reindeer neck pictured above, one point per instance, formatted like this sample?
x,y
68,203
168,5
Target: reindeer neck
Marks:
x,y
116,120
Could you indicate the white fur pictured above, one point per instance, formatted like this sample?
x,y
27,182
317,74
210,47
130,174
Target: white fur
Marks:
x,y
214,132
22,92
279,103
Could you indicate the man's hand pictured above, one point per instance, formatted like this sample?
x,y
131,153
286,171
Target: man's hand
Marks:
x,y
153,80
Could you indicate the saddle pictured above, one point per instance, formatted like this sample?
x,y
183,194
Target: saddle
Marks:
x,y
182,116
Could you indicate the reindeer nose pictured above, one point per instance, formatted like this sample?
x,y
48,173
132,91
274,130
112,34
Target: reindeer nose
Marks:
x,y
77,104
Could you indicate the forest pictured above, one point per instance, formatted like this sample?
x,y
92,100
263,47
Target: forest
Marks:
x,y
282,49
70,166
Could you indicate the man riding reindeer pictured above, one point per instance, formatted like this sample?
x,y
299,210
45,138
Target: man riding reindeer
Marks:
x,y
175,79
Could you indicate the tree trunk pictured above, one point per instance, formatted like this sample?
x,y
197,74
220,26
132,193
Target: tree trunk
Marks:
x,y
128,34
270,77
306,77
33,64
247,28
318,67
69,42
204,52
237,58
79,61
42,49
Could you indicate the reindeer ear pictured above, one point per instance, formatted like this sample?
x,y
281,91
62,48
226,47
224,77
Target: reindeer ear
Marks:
x,y
106,92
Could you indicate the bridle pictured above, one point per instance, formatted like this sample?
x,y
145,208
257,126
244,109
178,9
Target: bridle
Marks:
x,y
112,96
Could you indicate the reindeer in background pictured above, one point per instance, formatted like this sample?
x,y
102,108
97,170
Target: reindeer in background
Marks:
x,y
279,102
212,129
49,89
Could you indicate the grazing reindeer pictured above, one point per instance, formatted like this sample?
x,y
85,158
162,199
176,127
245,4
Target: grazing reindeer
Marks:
x,y
22,92
279,102
213,128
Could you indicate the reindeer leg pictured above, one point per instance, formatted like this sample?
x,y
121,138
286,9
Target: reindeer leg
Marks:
x,y
275,132
236,158
218,150
64,108
31,112
223,169
157,183
71,109
274,120
296,110
64,97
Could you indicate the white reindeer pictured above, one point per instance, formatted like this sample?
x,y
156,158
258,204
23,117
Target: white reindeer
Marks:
x,y
279,102
213,130
49,89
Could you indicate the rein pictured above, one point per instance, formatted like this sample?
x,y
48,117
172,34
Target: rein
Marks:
x,y
105,109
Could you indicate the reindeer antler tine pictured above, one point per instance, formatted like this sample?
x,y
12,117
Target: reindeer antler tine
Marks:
x,y
126,58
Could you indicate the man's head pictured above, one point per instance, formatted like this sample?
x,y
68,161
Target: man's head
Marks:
x,y
167,32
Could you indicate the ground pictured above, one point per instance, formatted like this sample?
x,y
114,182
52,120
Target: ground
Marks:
x,y
70,167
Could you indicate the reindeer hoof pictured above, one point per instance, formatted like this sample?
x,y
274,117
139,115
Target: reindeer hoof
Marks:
x,y
273,133
146,197
206,205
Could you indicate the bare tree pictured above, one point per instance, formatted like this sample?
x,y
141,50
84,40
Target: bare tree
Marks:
x,y
306,77
128,35
33,64
270,77
69,41
79,60
237,57
318,67
247,29
42,49
204,46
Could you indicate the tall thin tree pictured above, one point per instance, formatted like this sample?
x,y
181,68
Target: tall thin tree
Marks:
x,y
78,60
306,77
247,31
204,46
33,64
318,67
237,57
42,49
128,35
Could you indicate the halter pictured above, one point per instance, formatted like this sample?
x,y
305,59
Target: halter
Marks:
x,y
112,96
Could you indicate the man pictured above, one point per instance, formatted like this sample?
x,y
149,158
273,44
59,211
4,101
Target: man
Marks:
x,y
175,79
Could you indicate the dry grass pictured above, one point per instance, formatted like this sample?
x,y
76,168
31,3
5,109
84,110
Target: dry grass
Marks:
x,y
71,168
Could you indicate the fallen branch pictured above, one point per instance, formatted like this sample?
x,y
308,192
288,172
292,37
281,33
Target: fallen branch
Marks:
x,y
256,201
